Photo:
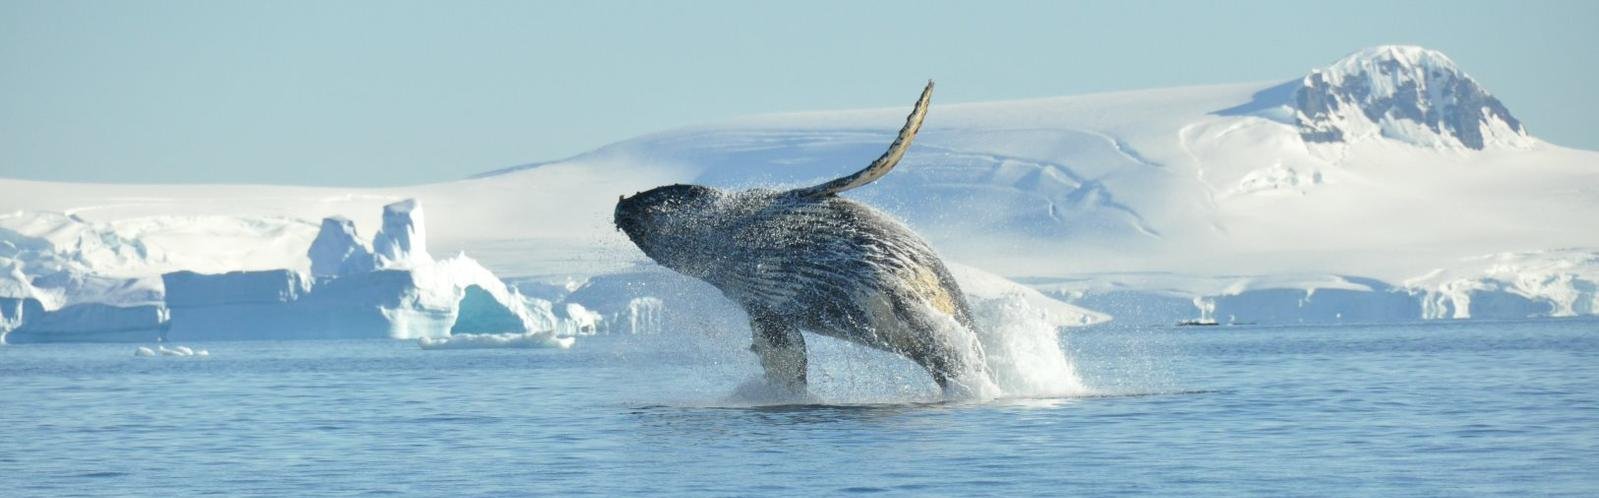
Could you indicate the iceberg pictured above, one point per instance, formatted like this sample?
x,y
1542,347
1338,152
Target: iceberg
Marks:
x,y
432,300
187,289
408,295
94,322
279,304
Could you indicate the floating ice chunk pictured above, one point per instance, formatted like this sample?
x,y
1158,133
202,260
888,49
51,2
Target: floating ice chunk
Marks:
x,y
531,340
179,351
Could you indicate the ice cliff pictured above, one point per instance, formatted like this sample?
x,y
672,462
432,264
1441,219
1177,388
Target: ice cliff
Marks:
x,y
94,322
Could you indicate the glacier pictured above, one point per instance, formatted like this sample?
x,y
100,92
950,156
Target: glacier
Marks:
x,y
1385,186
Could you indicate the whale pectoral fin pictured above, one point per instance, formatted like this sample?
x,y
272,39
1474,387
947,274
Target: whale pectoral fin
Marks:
x,y
781,348
884,163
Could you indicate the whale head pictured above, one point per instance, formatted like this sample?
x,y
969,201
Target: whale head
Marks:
x,y
676,225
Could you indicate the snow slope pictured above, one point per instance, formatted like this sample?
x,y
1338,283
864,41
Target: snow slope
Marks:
x,y
1179,198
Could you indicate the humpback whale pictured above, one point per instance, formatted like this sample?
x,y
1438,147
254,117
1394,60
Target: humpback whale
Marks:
x,y
810,260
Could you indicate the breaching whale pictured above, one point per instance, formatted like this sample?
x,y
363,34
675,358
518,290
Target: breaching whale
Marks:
x,y
809,260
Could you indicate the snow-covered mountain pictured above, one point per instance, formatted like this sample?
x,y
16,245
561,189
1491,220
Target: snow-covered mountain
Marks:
x,y
1388,185
1409,94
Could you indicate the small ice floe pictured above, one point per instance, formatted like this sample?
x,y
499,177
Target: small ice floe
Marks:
x,y
176,351
490,341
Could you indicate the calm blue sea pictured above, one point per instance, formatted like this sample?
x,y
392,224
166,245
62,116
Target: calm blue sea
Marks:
x,y
1437,409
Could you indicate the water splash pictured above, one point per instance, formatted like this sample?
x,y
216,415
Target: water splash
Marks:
x,y
707,339
1023,358
1024,350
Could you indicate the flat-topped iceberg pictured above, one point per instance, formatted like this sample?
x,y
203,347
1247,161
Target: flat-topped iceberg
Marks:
x,y
94,322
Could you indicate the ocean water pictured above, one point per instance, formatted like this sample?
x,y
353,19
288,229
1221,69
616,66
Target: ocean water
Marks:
x,y
1435,409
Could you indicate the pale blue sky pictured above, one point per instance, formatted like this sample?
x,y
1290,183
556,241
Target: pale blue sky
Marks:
x,y
388,92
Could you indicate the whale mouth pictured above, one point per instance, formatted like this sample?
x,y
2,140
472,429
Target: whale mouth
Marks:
x,y
616,213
